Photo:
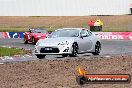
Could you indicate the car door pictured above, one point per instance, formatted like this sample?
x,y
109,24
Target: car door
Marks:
x,y
91,40
81,44
87,39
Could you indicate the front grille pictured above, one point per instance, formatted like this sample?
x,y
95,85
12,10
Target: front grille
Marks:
x,y
49,50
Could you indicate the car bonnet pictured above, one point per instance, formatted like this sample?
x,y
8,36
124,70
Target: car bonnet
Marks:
x,y
56,41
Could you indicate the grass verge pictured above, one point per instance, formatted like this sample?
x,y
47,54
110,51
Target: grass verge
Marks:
x,y
16,29
116,30
12,51
13,29
23,29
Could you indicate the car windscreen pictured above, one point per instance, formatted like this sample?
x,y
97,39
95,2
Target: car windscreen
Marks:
x,y
65,33
39,31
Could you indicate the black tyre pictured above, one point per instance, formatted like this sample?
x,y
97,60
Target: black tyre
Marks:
x,y
25,41
81,80
74,50
40,56
97,48
33,41
64,55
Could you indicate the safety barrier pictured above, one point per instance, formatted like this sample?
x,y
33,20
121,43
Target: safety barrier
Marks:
x,y
101,35
12,34
115,35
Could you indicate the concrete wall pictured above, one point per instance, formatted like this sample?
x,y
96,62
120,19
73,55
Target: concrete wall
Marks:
x,y
64,7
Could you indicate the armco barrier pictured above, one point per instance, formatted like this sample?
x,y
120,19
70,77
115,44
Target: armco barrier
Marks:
x,y
101,35
115,35
12,34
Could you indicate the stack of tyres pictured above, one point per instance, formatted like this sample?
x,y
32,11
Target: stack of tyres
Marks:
x,y
98,25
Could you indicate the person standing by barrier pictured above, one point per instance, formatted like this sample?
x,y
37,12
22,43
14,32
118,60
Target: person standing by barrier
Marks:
x,y
98,25
91,24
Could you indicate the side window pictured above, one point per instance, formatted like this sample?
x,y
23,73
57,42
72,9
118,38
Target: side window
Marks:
x,y
84,33
90,33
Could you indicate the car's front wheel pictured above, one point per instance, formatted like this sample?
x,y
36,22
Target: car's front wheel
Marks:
x,y
33,41
74,50
25,40
40,56
97,48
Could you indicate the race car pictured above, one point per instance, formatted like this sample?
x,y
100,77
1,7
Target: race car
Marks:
x,y
68,41
34,34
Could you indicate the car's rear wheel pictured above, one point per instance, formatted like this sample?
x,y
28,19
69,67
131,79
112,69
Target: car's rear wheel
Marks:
x,y
33,41
40,56
97,48
74,50
64,55
25,41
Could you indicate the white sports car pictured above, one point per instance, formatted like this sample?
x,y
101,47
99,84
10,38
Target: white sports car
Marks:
x,y
68,41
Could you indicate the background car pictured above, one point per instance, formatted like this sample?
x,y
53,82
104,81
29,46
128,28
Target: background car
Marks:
x,y
33,35
68,41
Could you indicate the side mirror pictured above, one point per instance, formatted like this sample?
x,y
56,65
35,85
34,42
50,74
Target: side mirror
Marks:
x,y
47,36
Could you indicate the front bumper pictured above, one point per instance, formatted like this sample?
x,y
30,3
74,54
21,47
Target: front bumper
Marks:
x,y
52,50
51,53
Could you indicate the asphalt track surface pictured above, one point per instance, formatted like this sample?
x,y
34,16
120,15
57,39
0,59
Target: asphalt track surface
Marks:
x,y
109,48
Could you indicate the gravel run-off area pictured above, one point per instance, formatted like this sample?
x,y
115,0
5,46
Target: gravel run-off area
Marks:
x,y
62,73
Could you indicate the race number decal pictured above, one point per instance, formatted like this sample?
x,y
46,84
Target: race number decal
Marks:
x,y
28,36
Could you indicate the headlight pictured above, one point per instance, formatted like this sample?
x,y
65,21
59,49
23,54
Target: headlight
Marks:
x,y
63,43
38,44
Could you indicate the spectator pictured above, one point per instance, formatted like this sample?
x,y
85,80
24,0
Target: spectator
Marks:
x,y
98,25
91,24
